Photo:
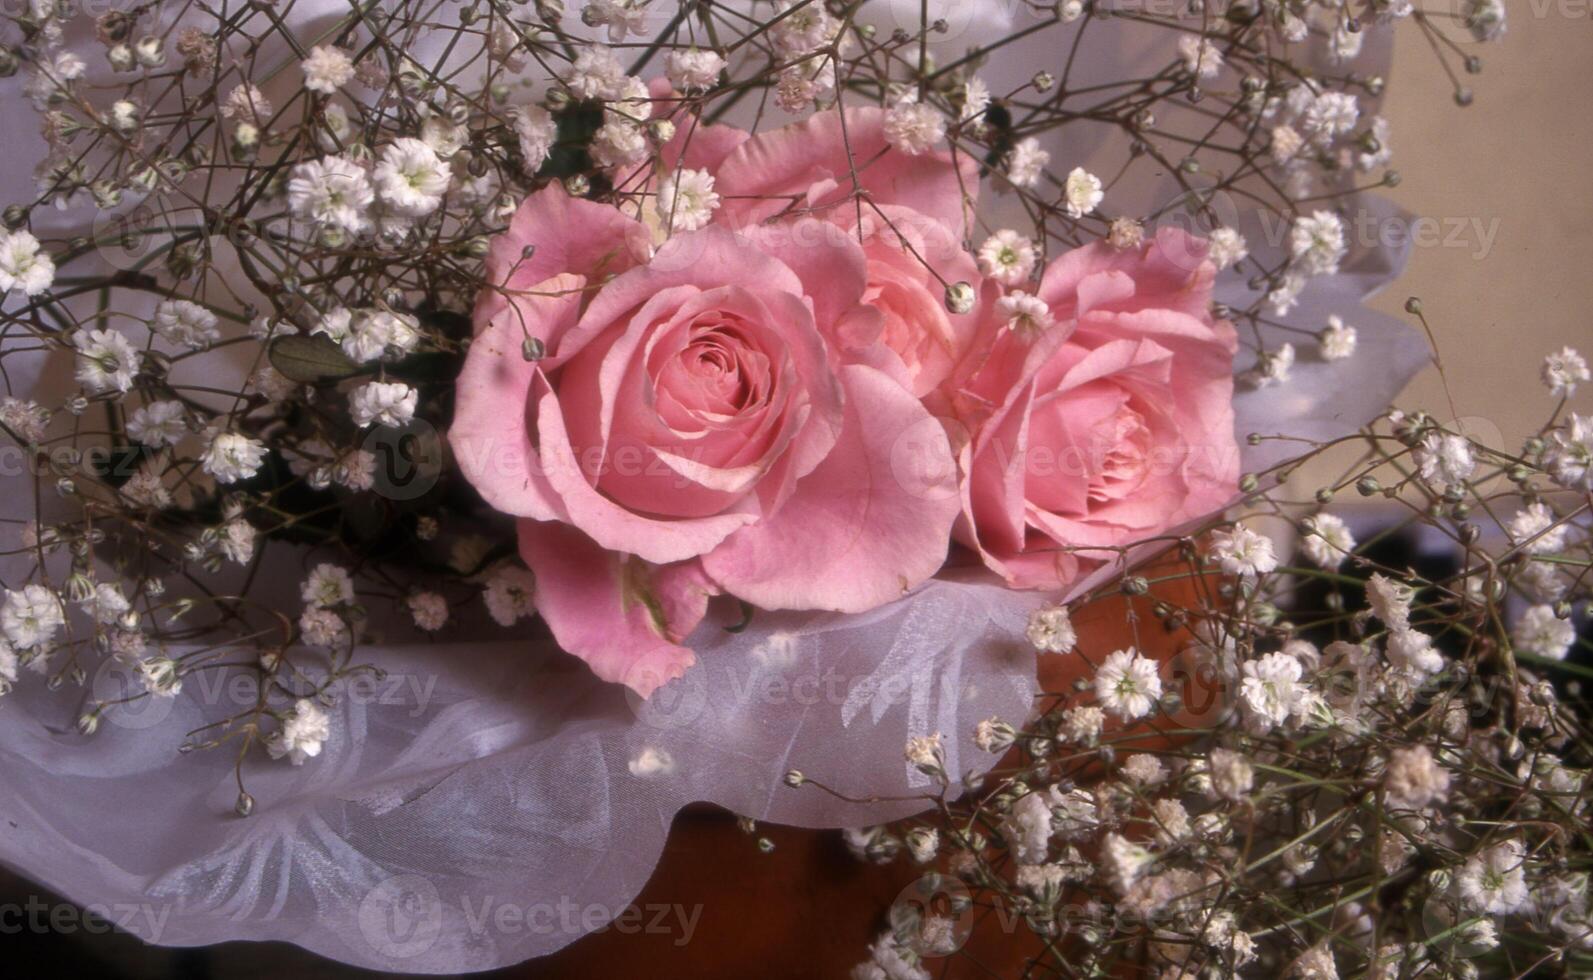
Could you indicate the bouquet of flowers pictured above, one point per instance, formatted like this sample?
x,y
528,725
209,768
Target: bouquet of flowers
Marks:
x,y
370,368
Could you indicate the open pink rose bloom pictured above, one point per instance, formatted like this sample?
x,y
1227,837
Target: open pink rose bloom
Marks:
x,y
817,402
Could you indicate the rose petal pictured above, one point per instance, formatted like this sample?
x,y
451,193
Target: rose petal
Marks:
x,y
622,616
810,164
869,524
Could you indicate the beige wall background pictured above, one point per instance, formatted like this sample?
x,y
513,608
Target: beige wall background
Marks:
x,y
1518,165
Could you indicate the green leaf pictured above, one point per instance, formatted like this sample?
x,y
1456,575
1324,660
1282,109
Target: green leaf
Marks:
x,y
311,360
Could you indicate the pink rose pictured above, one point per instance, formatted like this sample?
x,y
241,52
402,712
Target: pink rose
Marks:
x,y
1112,425
690,429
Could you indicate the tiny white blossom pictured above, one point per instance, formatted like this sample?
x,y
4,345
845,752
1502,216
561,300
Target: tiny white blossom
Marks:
x,y
1413,652
429,610
1025,314
595,74
303,733
383,403
8,668
1243,552
237,541
1329,542
1273,366
1271,689
30,616
28,419
686,199
231,456
1027,162
185,323
1537,530
1317,242
1570,457
1484,18
333,191
1051,630
536,131
1201,57
1337,340
1390,601
926,752
106,360
994,735
1543,634
1228,248
1495,881
322,628
105,604
975,99
1444,460
1082,193
1008,257
1414,778
1331,114
158,424
327,69
914,127
693,68
23,264
509,594
1027,828
161,676
410,178
327,585
1127,684
1563,371
1232,775
621,17
245,101
619,144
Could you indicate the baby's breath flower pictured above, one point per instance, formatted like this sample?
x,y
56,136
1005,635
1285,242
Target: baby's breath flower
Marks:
x,y
509,594
1337,340
994,735
332,191
383,403
1541,633
106,360
1008,257
429,610
1562,372
1328,542
1025,314
1317,242
322,628
1201,57
1051,630
1444,460
1082,193
185,323
690,69
161,677
686,200
303,734
1495,881
1228,248
327,585
914,127
158,424
327,69
30,617
1027,162
232,456
1390,601
410,178
24,265
1241,551
1127,685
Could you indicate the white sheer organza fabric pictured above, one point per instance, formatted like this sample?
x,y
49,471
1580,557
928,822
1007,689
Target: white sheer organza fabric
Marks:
x,y
484,775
